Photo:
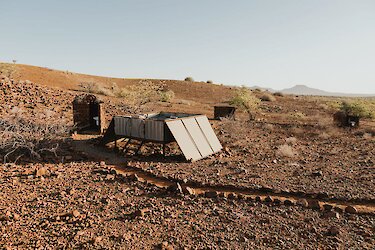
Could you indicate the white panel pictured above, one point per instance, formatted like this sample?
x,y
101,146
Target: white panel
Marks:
x,y
198,137
154,130
209,133
184,140
121,125
137,128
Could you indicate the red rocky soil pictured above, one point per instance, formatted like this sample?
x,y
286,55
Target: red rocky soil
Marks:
x,y
80,204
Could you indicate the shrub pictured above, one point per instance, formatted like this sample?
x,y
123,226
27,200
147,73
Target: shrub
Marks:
x,y
189,79
146,91
244,99
96,88
209,81
278,94
22,135
356,109
166,96
267,98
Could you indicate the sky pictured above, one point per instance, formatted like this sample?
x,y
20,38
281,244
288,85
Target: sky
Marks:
x,y
326,44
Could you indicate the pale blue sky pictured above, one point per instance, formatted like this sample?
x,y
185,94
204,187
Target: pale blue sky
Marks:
x,y
327,44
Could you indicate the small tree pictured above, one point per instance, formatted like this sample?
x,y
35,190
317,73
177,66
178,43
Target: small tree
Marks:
x,y
244,99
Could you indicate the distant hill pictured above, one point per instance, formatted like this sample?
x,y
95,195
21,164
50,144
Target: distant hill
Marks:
x,y
304,90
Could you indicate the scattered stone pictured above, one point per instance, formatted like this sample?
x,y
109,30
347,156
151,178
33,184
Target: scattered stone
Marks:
x,y
303,203
327,207
189,191
211,194
333,230
40,172
317,173
71,191
16,216
140,212
268,199
314,204
232,196
175,188
76,213
166,246
288,203
98,239
351,210
338,209
110,177
277,201
331,214
102,164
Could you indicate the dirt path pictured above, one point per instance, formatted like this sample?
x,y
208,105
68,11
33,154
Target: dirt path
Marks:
x,y
120,165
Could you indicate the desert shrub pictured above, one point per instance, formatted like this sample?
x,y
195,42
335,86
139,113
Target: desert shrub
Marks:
x,y
30,136
356,109
267,98
286,151
166,96
278,94
96,88
189,79
146,91
209,81
244,99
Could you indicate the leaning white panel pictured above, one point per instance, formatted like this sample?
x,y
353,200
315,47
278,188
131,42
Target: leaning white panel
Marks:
x,y
209,133
184,140
198,137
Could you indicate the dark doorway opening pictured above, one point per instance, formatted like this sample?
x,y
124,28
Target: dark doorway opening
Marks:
x,y
94,115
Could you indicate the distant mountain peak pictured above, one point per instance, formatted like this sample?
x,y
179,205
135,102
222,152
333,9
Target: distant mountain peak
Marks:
x,y
301,89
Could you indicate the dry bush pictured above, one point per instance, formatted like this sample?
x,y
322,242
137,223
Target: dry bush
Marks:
x,y
166,96
96,88
146,91
209,81
30,136
266,97
356,108
244,99
286,151
189,79
278,94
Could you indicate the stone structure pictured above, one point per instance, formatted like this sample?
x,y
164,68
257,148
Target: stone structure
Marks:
x,y
88,113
